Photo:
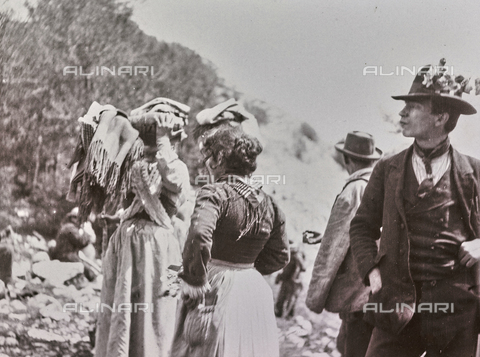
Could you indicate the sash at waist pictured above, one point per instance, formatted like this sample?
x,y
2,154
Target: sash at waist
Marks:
x,y
231,265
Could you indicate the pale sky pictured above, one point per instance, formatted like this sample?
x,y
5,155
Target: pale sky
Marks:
x,y
307,57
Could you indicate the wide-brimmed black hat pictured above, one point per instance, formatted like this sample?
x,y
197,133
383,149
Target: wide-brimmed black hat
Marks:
x,y
359,145
433,81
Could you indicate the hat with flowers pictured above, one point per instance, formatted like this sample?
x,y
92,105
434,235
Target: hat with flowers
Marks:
x,y
435,81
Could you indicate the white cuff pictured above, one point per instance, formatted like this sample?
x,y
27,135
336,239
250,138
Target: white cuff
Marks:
x,y
194,292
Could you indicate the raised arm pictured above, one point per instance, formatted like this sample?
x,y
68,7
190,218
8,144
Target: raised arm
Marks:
x,y
175,177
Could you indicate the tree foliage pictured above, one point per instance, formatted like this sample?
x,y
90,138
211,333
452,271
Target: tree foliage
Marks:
x,y
40,101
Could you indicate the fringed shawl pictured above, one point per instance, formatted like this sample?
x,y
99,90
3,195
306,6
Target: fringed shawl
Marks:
x,y
110,146
104,160
146,184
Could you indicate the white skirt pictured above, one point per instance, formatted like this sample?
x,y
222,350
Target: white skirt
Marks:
x,y
242,322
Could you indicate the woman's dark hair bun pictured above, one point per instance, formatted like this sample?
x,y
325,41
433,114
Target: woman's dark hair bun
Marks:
x,y
237,150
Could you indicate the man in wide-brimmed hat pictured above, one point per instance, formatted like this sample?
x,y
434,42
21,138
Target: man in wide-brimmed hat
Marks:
x,y
336,284
423,205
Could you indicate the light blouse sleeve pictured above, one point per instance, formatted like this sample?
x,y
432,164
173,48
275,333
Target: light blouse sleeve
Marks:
x,y
175,178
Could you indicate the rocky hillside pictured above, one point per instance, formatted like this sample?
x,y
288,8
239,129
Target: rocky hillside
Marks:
x,y
310,177
310,181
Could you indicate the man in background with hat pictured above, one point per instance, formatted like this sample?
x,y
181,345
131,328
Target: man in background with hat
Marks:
x,y
423,205
336,284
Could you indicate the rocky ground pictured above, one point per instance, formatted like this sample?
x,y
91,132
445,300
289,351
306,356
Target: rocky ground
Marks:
x,y
305,337
44,311
307,334
37,326
32,317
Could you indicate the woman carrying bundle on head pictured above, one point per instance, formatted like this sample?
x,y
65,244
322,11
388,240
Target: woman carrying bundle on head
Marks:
x,y
237,233
230,114
138,302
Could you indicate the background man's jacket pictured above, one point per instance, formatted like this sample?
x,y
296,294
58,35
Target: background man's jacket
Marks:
x,y
336,284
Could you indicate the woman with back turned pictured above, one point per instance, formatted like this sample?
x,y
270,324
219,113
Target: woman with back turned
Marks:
x,y
237,234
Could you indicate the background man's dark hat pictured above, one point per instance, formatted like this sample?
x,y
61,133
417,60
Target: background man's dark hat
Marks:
x,y
434,81
359,145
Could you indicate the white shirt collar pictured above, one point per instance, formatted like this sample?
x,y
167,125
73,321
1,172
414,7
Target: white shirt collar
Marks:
x,y
440,165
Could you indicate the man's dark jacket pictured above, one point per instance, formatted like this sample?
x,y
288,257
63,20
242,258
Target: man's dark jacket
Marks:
x,y
382,215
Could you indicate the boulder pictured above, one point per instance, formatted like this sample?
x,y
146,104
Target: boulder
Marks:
x,y
296,340
42,335
21,268
69,292
37,242
18,317
54,312
56,272
10,341
41,300
18,306
304,324
40,257
330,332
5,308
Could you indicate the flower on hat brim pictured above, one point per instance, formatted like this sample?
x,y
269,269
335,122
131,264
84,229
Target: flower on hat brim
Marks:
x,y
433,81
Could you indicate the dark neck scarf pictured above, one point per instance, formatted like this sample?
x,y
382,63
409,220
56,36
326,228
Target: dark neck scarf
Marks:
x,y
427,155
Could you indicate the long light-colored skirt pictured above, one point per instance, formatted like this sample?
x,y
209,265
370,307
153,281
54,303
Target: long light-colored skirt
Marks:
x,y
238,318
135,274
